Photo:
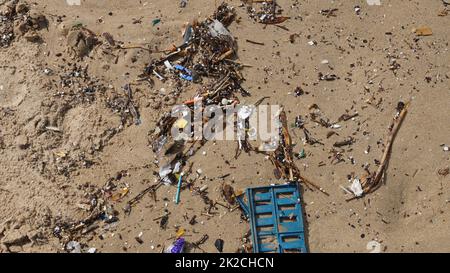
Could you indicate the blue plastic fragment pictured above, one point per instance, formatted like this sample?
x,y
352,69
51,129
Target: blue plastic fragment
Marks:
x,y
177,197
276,218
186,73
177,247
243,205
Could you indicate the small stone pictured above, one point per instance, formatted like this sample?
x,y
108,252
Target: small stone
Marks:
x,y
63,30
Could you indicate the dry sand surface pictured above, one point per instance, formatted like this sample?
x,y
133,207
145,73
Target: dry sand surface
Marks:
x,y
64,133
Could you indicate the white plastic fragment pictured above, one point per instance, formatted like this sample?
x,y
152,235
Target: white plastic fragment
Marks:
x,y
164,171
356,188
336,126
73,247
92,250
374,246
216,28
168,65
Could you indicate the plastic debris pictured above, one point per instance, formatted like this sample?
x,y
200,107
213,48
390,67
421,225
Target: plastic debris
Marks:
x,y
187,35
177,197
285,200
216,29
183,3
177,246
156,21
120,195
164,172
356,188
181,123
302,154
219,245
92,250
73,247
185,74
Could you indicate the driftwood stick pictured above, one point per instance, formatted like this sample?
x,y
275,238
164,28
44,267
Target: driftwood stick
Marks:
x,y
372,183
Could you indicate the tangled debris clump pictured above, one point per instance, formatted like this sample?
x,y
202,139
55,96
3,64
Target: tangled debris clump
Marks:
x,y
206,52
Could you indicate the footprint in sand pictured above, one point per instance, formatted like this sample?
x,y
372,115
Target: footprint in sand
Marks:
x,y
12,92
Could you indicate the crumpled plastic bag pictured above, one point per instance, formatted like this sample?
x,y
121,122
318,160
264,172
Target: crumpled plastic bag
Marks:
x,y
356,188
216,28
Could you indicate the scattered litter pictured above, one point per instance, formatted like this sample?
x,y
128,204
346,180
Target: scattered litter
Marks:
x,y
269,12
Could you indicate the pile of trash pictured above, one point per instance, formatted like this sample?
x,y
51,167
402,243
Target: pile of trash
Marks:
x,y
266,12
207,51
206,55
101,215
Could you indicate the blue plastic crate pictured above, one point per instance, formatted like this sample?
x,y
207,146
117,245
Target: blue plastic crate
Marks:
x,y
276,218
